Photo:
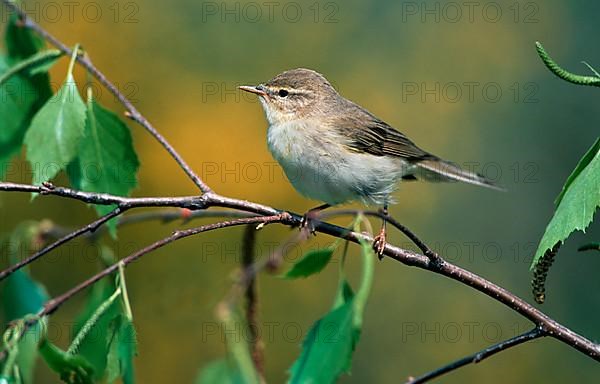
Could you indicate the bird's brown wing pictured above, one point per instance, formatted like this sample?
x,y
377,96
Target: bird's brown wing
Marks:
x,y
366,133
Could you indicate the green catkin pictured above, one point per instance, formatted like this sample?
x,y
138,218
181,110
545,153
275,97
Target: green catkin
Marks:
x,y
540,273
563,73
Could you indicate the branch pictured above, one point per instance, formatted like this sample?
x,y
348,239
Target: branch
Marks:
x,y
132,111
124,203
88,228
55,303
183,214
95,227
256,345
550,326
429,260
190,202
164,216
52,305
407,232
475,358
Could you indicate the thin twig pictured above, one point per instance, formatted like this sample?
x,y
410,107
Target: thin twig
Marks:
x,y
132,111
123,203
168,216
509,299
405,256
407,232
55,303
549,326
91,227
252,270
475,358
553,328
163,216
256,345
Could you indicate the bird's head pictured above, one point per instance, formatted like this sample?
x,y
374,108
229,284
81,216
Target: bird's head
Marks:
x,y
295,94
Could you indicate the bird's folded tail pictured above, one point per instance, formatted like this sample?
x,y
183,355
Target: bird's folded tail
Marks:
x,y
435,169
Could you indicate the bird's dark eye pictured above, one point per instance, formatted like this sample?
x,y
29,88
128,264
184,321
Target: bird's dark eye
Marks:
x,y
283,93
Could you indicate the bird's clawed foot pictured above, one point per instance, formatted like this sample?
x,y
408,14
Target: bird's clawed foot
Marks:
x,y
379,243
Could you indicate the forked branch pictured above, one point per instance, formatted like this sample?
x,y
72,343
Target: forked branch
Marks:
x,y
131,110
262,214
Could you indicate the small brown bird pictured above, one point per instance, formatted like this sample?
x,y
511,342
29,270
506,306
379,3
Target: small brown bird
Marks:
x,y
333,150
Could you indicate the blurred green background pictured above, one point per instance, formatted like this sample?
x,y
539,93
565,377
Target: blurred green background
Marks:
x,y
463,81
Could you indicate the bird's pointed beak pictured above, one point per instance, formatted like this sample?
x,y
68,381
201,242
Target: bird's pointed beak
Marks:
x,y
259,89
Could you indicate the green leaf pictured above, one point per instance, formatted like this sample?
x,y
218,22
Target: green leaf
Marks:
x,y
576,204
71,368
96,345
238,351
106,161
22,296
5,158
366,283
27,352
123,348
312,262
99,291
584,162
92,340
327,349
20,96
21,42
56,130
238,367
220,372
18,102
38,63
344,294
105,337
14,108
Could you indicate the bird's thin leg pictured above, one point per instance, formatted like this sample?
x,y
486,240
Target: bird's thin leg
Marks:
x,y
310,216
379,241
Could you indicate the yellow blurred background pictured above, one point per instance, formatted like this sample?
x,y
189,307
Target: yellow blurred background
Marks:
x,y
461,79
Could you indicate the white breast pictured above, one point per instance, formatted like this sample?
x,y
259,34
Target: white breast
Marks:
x,y
320,167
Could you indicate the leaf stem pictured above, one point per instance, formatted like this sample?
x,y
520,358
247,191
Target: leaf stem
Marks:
x,y
11,344
74,54
360,300
125,295
40,57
